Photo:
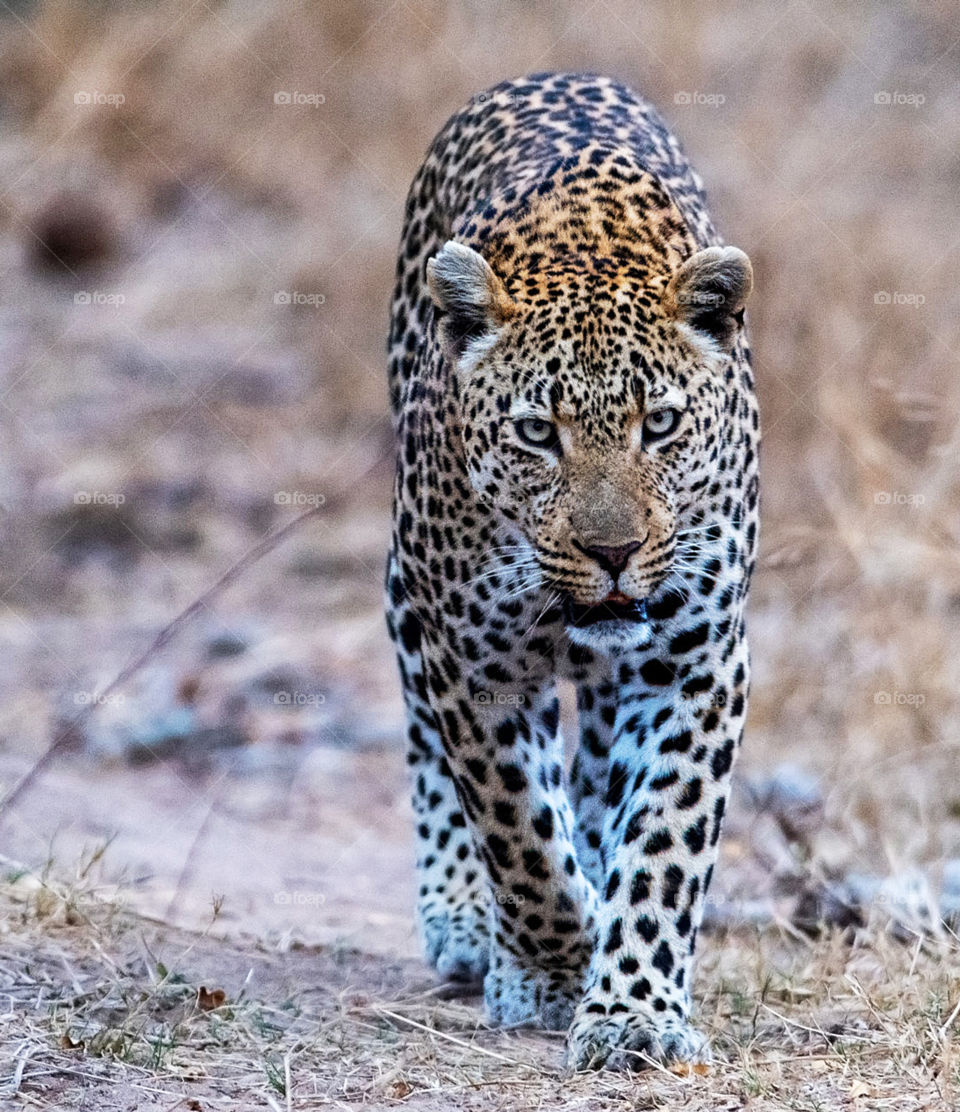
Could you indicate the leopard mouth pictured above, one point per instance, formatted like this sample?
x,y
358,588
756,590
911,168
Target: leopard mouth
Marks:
x,y
616,607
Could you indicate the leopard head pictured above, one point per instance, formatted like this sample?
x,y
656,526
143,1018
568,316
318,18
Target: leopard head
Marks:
x,y
594,397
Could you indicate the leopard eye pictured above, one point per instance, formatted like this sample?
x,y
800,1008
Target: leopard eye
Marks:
x,y
660,424
536,432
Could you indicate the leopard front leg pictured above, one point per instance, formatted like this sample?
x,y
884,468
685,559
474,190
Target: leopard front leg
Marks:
x,y
505,753
452,892
596,708
674,745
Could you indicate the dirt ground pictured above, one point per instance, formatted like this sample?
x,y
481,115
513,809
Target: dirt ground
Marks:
x,y
194,280
112,1011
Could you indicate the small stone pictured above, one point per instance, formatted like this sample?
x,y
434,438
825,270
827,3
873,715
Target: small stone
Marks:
x,y
951,880
793,797
788,788
70,232
226,645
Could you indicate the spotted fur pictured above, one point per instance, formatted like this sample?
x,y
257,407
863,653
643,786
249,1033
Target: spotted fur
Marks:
x,y
562,300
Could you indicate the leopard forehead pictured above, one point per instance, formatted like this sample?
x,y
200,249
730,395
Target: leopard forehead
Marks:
x,y
594,342
585,258
594,354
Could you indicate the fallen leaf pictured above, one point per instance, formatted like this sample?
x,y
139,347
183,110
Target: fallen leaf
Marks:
x,y
188,690
686,1069
862,1089
207,1001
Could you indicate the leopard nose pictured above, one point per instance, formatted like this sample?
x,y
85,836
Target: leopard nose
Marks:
x,y
612,558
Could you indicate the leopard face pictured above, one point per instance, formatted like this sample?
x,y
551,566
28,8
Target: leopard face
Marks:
x,y
593,399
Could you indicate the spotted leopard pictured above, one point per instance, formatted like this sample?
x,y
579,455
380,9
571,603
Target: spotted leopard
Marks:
x,y
576,499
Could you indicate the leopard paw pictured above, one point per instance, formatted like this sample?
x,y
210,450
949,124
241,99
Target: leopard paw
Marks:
x,y
520,996
457,943
633,1040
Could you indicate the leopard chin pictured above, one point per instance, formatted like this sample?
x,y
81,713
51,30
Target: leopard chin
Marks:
x,y
615,623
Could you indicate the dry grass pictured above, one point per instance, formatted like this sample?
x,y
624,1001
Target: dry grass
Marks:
x,y
107,1009
199,398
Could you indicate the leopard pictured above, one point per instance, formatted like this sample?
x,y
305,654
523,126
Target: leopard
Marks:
x,y
575,509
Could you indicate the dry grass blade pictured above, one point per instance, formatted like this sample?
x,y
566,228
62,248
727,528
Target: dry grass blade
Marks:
x,y
447,1037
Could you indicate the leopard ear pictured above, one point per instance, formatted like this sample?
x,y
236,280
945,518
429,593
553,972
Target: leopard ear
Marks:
x,y
470,300
709,292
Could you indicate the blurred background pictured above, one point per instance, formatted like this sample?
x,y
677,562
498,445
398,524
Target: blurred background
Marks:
x,y
200,204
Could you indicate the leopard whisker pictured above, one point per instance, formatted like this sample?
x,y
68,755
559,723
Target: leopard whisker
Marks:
x,y
503,569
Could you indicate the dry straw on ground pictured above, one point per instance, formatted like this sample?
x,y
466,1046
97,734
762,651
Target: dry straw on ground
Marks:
x,y
109,1011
